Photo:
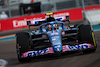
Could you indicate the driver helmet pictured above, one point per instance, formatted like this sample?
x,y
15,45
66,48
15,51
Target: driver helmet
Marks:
x,y
55,26
50,19
49,27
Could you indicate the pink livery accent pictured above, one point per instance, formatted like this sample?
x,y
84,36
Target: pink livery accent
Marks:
x,y
90,46
64,48
54,33
32,22
39,52
50,50
25,54
76,47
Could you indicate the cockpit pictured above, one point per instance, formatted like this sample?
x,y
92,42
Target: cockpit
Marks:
x,y
51,26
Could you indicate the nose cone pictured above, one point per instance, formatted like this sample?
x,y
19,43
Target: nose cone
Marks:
x,y
56,41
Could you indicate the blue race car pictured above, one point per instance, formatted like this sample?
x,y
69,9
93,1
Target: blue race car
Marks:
x,y
54,38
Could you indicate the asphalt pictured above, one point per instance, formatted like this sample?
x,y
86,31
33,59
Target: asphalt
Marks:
x,y
8,53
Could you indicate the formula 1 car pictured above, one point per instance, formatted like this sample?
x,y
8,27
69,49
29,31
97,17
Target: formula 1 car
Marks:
x,y
54,38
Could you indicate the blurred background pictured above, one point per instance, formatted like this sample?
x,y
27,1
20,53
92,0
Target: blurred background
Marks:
x,y
15,8
15,13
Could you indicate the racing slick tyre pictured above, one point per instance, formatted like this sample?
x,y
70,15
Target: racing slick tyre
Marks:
x,y
22,45
86,35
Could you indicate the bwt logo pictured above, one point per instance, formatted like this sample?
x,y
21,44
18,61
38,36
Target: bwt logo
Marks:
x,y
35,53
77,47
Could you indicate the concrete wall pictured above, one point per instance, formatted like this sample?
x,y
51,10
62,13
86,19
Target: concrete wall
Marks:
x,y
93,16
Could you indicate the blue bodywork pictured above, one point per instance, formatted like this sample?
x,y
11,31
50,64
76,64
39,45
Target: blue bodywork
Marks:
x,y
55,37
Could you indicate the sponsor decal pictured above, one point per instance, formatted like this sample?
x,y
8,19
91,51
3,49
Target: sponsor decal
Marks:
x,y
21,23
17,23
78,47
39,52
57,46
61,14
55,40
34,53
54,33
33,22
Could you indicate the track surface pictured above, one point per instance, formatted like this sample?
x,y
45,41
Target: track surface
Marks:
x,y
8,52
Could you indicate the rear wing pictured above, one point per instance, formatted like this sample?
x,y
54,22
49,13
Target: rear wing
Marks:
x,y
37,23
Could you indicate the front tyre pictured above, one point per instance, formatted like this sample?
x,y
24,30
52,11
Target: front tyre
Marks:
x,y
86,35
22,45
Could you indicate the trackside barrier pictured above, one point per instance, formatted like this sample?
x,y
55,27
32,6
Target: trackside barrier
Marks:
x,y
20,22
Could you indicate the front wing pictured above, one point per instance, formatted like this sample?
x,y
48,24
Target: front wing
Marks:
x,y
51,51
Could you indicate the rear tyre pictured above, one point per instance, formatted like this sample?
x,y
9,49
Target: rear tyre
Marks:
x,y
22,45
86,36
